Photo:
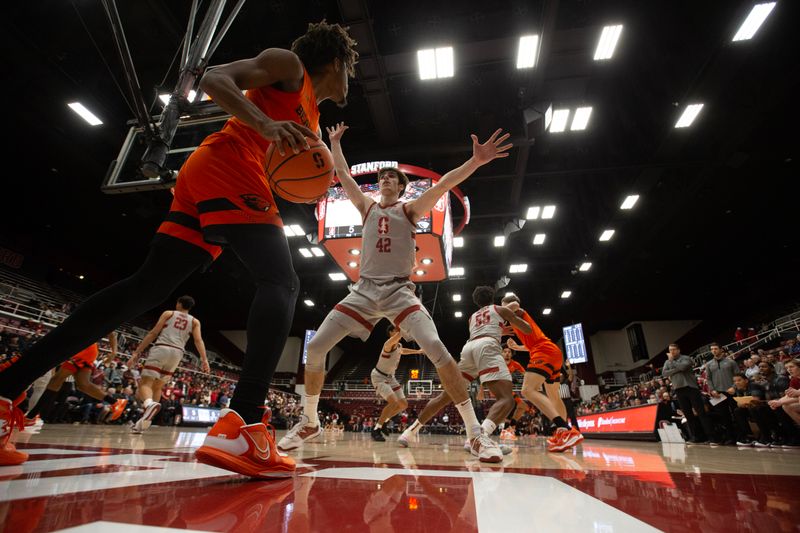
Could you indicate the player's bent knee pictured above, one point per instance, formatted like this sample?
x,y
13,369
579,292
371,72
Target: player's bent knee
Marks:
x,y
316,357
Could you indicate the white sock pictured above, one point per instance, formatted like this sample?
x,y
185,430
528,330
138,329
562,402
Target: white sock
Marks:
x,y
502,426
488,427
470,420
415,427
147,403
310,409
378,425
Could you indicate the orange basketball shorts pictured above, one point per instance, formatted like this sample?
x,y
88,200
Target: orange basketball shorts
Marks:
x,y
222,184
83,359
546,360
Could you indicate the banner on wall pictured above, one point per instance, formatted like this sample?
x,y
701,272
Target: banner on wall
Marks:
x,y
633,420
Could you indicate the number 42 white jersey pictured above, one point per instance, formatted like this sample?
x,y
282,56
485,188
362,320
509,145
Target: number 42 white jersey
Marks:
x,y
388,245
176,330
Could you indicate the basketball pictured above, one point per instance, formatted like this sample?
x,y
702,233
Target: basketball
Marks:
x,y
300,177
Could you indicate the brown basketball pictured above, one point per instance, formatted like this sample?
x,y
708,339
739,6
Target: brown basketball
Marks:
x,y
303,177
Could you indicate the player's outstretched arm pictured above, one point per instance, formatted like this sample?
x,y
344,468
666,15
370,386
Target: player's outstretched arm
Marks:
x,y
481,154
410,351
516,347
224,84
197,336
359,199
509,316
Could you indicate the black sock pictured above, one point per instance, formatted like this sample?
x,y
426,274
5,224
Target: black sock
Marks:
x,y
44,405
559,422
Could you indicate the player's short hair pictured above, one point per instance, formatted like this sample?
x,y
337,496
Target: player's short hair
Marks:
x,y
391,329
322,43
401,177
714,344
186,301
483,295
508,298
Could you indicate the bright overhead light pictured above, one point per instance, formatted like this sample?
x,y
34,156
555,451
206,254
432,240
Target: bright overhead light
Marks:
x,y
688,116
165,97
419,272
533,213
499,240
309,303
456,297
546,311
298,231
354,251
80,277
581,118
559,122
548,212
538,239
85,114
304,252
288,231
458,242
352,264
750,26
608,42
427,261
508,294
607,234
337,276
629,201
585,266
317,252
456,271
518,269
458,314
435,63
526,54
566,294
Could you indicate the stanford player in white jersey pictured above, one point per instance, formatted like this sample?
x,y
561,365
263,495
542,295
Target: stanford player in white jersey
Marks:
x,y
384,289
170,334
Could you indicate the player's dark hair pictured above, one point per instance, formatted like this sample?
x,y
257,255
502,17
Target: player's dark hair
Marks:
x,y
483,295
401,177
187,302
508,298
391,329
322,43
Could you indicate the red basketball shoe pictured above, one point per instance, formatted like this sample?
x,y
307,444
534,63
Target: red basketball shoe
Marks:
x,y
10,417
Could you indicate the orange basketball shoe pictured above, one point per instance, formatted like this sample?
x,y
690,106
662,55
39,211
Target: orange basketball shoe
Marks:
x,y
10,417
247,449
118,408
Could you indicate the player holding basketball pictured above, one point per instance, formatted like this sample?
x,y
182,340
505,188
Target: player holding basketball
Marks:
x,y
481,358
81,366
171,333
385,290
386,386
544,369
222,198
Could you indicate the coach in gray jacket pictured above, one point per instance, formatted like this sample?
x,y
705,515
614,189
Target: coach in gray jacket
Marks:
x,y
678,369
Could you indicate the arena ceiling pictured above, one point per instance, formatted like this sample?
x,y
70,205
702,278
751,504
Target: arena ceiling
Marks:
x,y
714,232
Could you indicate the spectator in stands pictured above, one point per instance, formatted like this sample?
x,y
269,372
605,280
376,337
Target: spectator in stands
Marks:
x,y
793,347
774,385
751,368
678,368
750,407
720,371
112,375
776,364
790,402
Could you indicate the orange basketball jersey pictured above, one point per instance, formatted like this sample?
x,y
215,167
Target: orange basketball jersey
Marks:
x,y
513,366
87,355
535,338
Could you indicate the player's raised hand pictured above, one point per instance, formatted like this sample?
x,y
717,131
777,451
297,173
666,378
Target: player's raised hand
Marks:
x,y
335,133
492,149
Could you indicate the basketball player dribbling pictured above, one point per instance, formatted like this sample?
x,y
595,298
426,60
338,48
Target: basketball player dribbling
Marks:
x,y
482,359
171,333
544,369
221,199
385,383
384,289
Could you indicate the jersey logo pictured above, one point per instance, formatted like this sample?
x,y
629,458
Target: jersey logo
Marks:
x,y
383,225
255,202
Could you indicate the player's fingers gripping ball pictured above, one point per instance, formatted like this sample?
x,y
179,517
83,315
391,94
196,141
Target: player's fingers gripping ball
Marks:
x,y
301,177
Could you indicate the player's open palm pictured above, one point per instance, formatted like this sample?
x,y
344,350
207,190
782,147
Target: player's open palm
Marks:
x,y
335,133
492,148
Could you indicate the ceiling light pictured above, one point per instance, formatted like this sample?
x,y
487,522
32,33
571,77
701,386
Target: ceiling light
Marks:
x,y
456,297
458,314
750,26
354,251
585,266
298,231
518,269
526,54
581,118
499,240
509,294
630,201
458,242
427,261
548,212
608,42
456,271
309,303
419,272
304,252
435,63
317,252
85,114
533,213
288,231
546,311
337,276
566,294
688,116
559,122
80,277
538,239
352,264
607,234
164,98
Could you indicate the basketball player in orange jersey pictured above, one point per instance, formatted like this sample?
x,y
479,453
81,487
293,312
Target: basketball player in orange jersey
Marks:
x,y
222,199
384,289
544,369
81,366
519,404
386,385
481,358
170,334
